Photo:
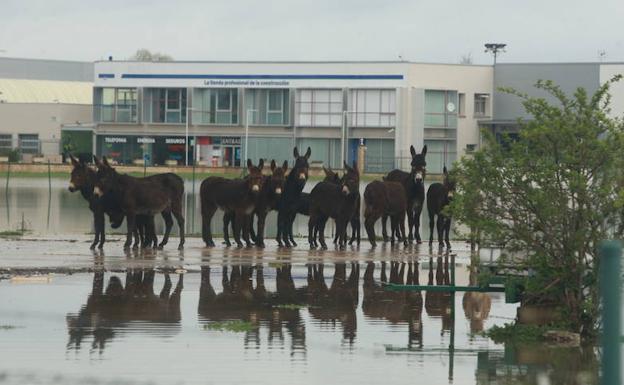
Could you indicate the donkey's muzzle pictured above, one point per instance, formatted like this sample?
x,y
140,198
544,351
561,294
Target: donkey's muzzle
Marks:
x,y
302,176
255,188
98,191
71,187
345,190
278,191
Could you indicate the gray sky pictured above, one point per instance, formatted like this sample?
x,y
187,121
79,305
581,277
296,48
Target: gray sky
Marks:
x,y
430,31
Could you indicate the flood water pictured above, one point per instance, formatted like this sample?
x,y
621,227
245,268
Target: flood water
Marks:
x,y
307,324
51,209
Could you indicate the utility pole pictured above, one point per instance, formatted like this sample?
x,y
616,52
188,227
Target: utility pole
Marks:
x,y
495,48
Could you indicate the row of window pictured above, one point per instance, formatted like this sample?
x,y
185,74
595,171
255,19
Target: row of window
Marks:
x,y
314,107
27,143
442,108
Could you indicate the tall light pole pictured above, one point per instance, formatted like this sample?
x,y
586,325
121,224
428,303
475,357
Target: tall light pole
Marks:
x,y
186,135
495,48
247,119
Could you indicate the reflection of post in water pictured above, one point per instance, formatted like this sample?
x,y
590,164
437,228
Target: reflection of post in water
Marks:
x,y
110,310
476,305
338,302
395,306
438,304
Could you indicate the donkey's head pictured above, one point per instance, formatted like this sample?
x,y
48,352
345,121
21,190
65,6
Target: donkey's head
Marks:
x,y
418,164
278,176
255,178
105,177
81,175
116,217
331,176
300,169
449,183
350,181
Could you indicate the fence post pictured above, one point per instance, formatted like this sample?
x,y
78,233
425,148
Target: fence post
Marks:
x,y
8,176
49,178
610,255
193,207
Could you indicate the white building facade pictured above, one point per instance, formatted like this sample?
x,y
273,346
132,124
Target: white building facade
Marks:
x,y
147,110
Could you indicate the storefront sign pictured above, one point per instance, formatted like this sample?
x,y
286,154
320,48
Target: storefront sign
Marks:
x,y
146,140
175,141
231,140
115,139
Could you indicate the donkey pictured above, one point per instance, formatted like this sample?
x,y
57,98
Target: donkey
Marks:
x,y
385,199
328,200
439,196
161,193
414,185
288,204
333,177
231,195
266,201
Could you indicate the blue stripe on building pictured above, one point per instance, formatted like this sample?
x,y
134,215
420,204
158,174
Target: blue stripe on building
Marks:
x,y
106,76
278,77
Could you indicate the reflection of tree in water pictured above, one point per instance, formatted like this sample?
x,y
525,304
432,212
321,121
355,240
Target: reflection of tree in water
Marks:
x,y
338,302
438,304
109,311
476,305
395,306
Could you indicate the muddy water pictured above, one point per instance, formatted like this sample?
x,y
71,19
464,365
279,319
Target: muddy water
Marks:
x,y
51,209
321,323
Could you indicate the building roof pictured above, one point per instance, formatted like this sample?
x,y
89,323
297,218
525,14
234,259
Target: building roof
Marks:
x,y
45,91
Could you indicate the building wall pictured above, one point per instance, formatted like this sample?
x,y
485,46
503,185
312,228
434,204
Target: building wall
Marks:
x,y
608,71
42,119
522,77
14,68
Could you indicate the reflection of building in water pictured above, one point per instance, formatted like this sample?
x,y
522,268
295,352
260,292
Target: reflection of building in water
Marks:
x,y
110,311
338,302
476,305
438,304
395,306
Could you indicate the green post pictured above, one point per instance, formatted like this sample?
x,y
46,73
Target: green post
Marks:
x,y
610,255
49,179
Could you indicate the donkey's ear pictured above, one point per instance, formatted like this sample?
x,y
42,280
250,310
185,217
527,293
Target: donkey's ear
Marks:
x,y
412,151
273,165
97,161
106,162
261,164
74,161
444,171
355,168
308,153
285,165
249,164
346,166
424,150
296,153
326,171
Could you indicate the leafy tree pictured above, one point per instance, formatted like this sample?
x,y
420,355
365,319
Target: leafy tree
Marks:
x,y
145,54
550,196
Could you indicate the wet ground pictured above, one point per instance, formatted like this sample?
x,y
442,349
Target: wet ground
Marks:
x,y
225,315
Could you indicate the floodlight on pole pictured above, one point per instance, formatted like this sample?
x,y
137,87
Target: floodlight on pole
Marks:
x,y
495,48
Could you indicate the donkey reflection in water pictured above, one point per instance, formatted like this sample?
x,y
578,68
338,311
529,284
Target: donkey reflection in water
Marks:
x,y
238,196
161,193
439,196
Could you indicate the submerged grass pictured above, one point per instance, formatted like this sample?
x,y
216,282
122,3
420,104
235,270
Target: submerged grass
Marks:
x,y
290,306
512,332
236,326
12,233
7,327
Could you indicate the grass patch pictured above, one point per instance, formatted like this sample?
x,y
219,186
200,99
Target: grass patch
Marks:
x,y
290,306
236,326
516,333
7,327
11,233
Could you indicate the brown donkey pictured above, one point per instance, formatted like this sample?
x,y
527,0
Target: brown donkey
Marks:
x,y
328,200
231,195
385,199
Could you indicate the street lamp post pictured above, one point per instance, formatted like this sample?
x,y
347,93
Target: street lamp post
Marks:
x,y
247,119
495,48
186,135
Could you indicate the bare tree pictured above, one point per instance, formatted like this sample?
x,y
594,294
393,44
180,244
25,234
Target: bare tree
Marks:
x,y
145,54
466,58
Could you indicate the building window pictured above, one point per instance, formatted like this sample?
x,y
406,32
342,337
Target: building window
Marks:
x,y
440,109
268,107
319,108
373,108
6,143
481,107
29,143
461,107
165,105
215,106
116,105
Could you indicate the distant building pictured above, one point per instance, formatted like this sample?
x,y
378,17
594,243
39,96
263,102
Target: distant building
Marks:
x,y
37,98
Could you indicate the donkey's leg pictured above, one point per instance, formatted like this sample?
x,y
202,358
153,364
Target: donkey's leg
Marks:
x,y
369,224
312,228
393,228
177,213
259,236
417,211
286,229
208,211
321,222
384,233
255,237
431,223
401,232
99,225
447,230
280,228
239,223
228,217
168,225
245,227
341,227
410,221
440,228
290,229
131,222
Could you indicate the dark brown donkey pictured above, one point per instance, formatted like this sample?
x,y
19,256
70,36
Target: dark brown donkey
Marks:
x,y
328,200
333,177
385,199
266,201
231,195
288,205
414,184
439,196
161,193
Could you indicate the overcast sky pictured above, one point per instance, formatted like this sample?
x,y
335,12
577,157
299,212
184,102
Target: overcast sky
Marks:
x,y
429,31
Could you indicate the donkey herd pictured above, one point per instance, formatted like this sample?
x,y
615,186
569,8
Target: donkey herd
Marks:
x,y
242,200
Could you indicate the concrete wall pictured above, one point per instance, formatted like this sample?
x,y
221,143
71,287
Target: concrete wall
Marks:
x,y
13,68
42,119
607,71
522,77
